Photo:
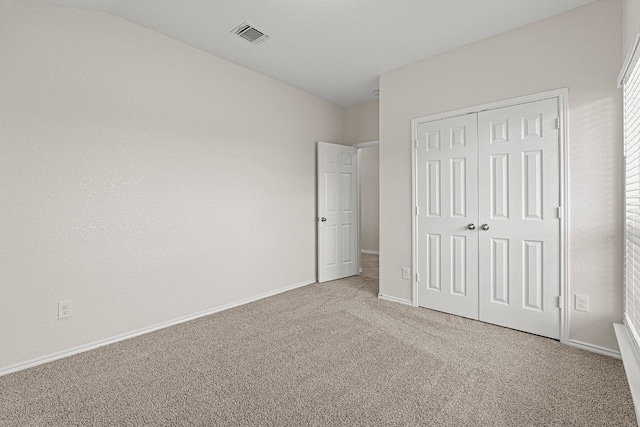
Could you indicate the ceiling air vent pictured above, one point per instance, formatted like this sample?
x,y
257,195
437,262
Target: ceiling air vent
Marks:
x,y
250,33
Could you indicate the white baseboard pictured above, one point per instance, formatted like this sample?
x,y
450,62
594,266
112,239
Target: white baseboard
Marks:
x,y
96,344
394,299
594,348
369,251
631,362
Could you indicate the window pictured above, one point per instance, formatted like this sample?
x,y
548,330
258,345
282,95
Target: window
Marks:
x,y
630,81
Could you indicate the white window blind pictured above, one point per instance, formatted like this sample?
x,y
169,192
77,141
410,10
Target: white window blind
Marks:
x,y
630,80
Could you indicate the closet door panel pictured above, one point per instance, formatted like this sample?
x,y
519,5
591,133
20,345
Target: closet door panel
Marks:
x,y
519,175
447,195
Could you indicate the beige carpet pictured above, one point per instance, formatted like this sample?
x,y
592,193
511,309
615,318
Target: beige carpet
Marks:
x,y
324,355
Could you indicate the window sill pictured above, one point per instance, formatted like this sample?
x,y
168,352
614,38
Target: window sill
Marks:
x,y
631,361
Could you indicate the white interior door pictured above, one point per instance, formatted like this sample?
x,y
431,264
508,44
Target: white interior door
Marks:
x,y
447,196
519,200
338,212
487,226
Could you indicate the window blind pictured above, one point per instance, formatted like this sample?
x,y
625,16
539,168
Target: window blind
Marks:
x,y
631,95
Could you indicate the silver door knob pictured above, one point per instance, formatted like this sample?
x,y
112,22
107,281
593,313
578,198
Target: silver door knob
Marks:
x,y
471,226
485,227
323,219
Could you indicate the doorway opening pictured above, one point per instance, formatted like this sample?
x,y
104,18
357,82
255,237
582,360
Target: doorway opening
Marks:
x,y
348,208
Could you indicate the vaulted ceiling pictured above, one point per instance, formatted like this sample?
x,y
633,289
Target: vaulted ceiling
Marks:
x,y
333,48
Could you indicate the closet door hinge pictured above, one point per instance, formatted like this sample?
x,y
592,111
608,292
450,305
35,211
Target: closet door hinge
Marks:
x,y
557,123
417,143
417,210
559,301
559,212
417,277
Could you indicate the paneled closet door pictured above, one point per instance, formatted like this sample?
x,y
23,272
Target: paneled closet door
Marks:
x,y
447,195
519,231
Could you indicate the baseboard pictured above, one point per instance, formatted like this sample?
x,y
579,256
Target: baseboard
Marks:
x,y
595,348
631,362
369,251
574,343
96,344
394,299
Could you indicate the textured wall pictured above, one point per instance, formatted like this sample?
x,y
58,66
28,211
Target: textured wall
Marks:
x,y
581,50
370,198
144,179
362,125
362,122
630,23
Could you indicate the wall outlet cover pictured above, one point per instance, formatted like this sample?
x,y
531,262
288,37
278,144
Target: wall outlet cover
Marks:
x,y
582,303
65,309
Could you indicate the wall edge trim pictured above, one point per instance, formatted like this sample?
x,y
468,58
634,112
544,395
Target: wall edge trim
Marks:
x,y
394,299
366,144
594,348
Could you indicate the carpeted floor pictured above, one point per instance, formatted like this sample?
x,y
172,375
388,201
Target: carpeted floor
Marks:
x,y
324,355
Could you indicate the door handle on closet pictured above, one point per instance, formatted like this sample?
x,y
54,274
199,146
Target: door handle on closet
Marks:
x,y
471,226
484,227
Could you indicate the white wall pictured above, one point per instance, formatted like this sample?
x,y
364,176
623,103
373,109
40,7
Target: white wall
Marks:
x,y
362,123
144,179
370,198
581,50
630,23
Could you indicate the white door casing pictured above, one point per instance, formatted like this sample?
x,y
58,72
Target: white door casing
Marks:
x,y
338,211
517,197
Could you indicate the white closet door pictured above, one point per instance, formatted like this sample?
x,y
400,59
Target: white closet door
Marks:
x,y
519,176
447,195
488,230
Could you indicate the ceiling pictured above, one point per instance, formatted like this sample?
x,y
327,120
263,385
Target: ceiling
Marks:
x,y
333,48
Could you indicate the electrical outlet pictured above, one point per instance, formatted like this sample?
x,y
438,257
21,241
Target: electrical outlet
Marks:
x,y
405,273
582,303
65,309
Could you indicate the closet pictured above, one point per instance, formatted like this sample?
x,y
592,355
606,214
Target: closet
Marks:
x,y
487,221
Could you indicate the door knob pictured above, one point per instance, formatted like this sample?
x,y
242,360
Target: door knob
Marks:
x,y
323,219
471,226
485,227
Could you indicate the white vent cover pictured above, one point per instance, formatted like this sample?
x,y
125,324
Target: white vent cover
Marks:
x,y
250,33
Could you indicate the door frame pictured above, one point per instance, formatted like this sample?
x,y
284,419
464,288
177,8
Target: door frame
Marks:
x,y
359,146
317,210
562,96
